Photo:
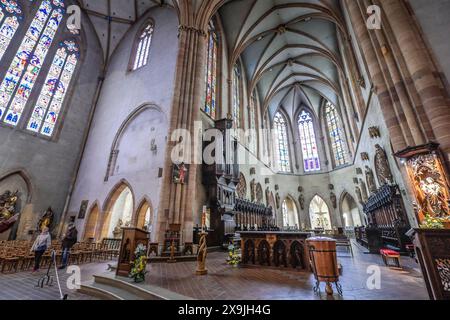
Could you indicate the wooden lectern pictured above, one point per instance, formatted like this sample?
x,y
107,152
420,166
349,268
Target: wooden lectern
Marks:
x,y
131,238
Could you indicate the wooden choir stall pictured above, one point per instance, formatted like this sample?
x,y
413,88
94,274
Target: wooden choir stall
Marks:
x,y
131,238
388,221
275,249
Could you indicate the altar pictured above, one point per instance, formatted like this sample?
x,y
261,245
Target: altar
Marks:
x,y
275,249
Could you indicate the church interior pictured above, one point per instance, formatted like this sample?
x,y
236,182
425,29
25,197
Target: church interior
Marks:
x,y
224,149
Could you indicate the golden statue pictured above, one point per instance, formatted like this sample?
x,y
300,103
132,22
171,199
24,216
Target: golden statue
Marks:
x,y
47,220
8,216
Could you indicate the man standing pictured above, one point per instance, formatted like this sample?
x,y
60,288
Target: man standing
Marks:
x,y
67,243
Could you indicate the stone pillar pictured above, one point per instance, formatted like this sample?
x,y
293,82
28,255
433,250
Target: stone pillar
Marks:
x,y
420,68
386,53
178,202
380,87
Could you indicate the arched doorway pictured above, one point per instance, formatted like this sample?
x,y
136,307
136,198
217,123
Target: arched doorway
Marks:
x,y
119,211
350,212
144,218
290,214
90,230
319,214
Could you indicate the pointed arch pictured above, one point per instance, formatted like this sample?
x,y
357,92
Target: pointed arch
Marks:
x,y
109,203
144,214
91,228
319,213
26,178
290,213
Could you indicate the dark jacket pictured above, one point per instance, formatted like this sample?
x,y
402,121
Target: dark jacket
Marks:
x,y
70,239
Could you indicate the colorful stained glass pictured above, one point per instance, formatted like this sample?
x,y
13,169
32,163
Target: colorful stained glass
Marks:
x,y
143,49
51,98
211,73
336,135
236,96
18,83
311,161
282,143
10,13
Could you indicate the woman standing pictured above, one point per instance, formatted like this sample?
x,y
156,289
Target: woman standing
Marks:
x,y
40,245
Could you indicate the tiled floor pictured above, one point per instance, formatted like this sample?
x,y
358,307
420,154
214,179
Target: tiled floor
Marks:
x,y
225,282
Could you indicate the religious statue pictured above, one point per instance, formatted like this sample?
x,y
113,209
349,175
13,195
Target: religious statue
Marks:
x,y
278,200
47,220
180,173
359,194
333,200
268,197
370,180
301,200
201,255
382,168
8,216
253,190
241,188
117,232
363,189
259,193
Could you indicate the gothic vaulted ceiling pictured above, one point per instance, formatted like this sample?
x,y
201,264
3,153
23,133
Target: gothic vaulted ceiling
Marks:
x,y
289,49
113,18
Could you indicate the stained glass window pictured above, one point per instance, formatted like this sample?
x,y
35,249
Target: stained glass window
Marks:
x,y
236,96
211,72
282,143
143,48
336,134
51,98
311,161
10,13
21,77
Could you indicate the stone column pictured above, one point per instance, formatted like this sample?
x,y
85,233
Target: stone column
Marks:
x,y
420,68
380,87
383,49
178,201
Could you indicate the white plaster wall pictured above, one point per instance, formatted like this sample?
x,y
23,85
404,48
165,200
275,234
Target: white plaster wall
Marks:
x,y
123,92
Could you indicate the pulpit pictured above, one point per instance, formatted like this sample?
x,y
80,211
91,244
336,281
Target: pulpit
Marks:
x,y
131,239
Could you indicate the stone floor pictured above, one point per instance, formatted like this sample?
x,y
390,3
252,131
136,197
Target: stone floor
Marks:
x,y
227,283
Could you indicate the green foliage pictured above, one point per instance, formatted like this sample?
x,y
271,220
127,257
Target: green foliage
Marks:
x,y
138,271
432,223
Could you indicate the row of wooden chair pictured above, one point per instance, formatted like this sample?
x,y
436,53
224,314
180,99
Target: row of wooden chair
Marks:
x,y
17,256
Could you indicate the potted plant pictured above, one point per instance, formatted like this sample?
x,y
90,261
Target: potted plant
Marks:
x,y
138,271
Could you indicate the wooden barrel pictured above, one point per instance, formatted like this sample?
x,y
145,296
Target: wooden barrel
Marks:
x,y
323,257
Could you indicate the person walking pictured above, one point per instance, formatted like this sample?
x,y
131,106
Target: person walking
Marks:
x,y
70,239
40,245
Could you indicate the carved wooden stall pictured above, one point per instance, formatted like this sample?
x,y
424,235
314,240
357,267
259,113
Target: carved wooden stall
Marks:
x,y
131,238
275,249
433,253
250,216
220,180
388,221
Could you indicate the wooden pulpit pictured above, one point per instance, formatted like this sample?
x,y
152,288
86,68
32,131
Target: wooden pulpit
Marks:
x,y
131,238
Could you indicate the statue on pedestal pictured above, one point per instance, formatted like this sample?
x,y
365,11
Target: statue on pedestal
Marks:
x,y
46,220
382,167
117,233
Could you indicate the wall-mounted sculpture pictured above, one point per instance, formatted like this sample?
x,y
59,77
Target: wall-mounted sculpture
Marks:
x,y
333,200
253,190
374,132
370,179
267,181
382,168
359,195
259,193
252,171
278,200
277,187
241,189
365,156
363,188
359,171
331,186
300,189
301,201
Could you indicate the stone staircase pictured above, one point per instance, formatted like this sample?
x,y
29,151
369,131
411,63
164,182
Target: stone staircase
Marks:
x,y
109,287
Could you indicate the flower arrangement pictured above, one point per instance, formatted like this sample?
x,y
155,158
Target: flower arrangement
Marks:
x,y
234,256
138,271
432,223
